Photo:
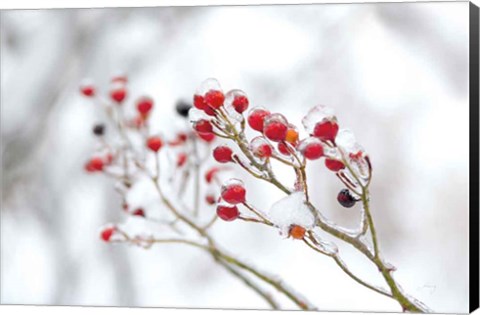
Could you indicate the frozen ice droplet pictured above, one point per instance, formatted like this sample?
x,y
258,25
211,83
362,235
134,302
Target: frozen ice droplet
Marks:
x,y
237,101
196,114
346,140
209,84
261,148
291,210
316,115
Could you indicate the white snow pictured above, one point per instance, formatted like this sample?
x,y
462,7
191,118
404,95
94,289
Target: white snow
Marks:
x,y
291,210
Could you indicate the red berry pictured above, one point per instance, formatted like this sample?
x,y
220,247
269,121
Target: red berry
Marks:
x,y
95,164
234,192
209,111
260,147
181,159
214,98
88,90
210,174
144,105
311,148
154,143
118,94
275,128
334,165
326,130
203,126
227,213
107,233
182,136
240,103
199,102
264,151
222,154
283,148
210,199
139,212
256,118
297,232
207,137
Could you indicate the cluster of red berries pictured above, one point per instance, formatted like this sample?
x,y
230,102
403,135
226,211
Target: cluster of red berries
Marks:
x,y
278,136
116,100
274,127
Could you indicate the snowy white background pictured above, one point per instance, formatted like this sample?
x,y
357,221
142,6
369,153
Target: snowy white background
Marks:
x,y
396,74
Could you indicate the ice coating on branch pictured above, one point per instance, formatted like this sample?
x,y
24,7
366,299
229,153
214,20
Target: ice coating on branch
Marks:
x,y
233,115
346,140
316,115
291,210
209,84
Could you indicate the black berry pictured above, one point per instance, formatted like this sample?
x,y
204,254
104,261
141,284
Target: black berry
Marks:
x,y
182,108
346,199
99,129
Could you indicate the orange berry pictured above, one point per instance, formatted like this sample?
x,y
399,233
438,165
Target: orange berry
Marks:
x,y
297,232
292,135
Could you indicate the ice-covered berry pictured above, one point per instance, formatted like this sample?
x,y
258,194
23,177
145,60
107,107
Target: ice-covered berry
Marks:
x,y
214,98
238,100
311,148
199,102
107,233
316,115
292,134
210,199
154,143
95,164
227,213
118,92
346,199
256,118
210,92
260,147
283,148
334,165
139,212
275,127
144,105
222,154
297,232
88,89
207,137
203,126
233,191
326,130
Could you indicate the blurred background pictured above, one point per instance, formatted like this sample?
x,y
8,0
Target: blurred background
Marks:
x,y
396,74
